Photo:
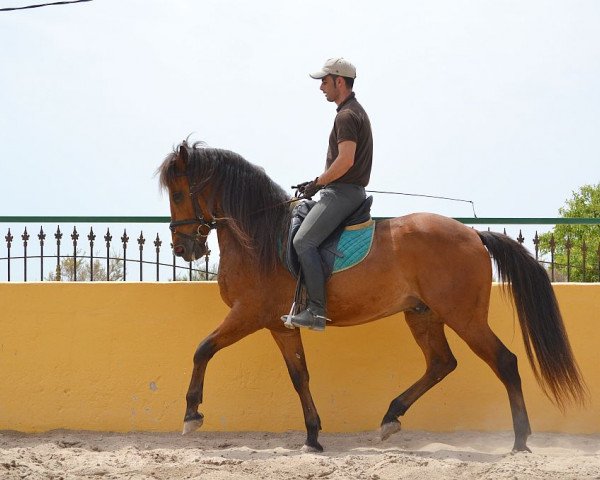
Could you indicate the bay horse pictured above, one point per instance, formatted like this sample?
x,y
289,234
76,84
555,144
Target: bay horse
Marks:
x,y
434,269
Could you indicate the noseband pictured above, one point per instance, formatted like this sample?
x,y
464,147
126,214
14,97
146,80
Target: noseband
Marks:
x,y
204,225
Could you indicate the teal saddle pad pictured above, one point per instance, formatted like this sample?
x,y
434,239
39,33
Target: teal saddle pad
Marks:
x,y
353,246
343,249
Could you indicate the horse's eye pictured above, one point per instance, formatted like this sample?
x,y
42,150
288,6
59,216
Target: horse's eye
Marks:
x,y
177,197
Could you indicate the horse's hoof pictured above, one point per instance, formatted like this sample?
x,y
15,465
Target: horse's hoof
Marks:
x,y
312,448
520,449
388,429
193,424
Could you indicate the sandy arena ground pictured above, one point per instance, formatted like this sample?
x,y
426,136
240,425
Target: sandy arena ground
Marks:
x,y
211,455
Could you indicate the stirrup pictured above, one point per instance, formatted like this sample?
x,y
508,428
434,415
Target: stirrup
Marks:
x,y
318,322
308,319
287,319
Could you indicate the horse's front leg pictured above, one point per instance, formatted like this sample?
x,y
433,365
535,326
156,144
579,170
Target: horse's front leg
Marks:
x,y
290,344
235,327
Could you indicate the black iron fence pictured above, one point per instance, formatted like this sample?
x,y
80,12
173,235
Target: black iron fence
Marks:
x,y
569,248
105,251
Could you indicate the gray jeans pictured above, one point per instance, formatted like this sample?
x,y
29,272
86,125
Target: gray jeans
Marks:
x,y
337,202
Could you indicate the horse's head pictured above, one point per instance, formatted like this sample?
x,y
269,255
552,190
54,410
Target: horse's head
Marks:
x,y
191,219
210,185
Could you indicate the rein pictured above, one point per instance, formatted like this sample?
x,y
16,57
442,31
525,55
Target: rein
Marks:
x,y
287,202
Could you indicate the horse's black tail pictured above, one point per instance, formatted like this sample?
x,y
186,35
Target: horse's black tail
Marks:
x,y
544,335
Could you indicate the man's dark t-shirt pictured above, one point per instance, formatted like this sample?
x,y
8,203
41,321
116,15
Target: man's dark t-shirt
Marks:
x,y
352,123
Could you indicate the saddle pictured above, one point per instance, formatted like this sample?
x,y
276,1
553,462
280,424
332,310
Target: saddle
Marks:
x,y
335,254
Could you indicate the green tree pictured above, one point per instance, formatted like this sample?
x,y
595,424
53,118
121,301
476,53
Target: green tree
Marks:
x,y
81,266
584,240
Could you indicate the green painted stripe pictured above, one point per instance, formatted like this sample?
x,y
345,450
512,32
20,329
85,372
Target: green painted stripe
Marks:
x,y
158,219
529,221
82,219
520,221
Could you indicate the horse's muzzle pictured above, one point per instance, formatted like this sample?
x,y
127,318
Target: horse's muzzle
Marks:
x,y
190,251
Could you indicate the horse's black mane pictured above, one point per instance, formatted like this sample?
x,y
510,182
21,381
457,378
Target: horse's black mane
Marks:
x,y
253,205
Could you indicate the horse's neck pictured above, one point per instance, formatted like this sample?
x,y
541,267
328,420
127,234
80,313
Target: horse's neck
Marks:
x,y
232,253
237,267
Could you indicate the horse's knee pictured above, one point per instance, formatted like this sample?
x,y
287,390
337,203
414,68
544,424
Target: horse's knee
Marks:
x,y
451,365
441,368
205,351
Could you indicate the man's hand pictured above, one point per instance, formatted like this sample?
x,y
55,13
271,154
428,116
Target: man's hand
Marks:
x,y
308,189
311,189
300,186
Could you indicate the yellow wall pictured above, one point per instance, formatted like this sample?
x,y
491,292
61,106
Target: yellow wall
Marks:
x,y
118,357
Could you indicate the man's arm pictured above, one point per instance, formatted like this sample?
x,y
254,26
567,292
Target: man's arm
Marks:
x,y
343,163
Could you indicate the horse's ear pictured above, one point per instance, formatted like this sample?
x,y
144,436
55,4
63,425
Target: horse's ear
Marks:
x,y
182,159
183,156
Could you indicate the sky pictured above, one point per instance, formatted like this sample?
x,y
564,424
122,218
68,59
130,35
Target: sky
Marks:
x,y
493,101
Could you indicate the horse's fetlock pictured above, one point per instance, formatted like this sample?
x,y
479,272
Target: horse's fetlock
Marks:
x,y
193,416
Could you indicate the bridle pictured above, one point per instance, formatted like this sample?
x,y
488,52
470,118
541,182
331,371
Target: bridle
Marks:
x,y
205,225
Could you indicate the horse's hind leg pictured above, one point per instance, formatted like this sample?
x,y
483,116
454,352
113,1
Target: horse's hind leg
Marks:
x,y
235,327
429,334
503,362
290,344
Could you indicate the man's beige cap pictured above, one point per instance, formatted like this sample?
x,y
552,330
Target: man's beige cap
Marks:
x,y
336,66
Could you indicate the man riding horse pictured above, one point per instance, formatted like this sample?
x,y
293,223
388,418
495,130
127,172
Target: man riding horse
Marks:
x,y
342,185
